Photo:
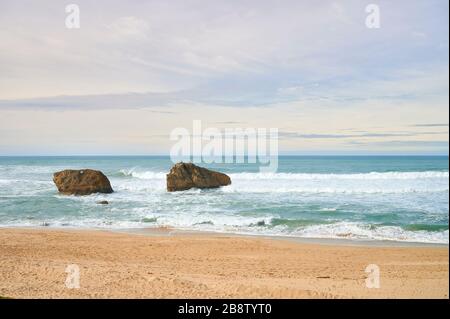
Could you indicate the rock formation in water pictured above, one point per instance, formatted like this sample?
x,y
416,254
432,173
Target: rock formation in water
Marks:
x,y
82,182
183,176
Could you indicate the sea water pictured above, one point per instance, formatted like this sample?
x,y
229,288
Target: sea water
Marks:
x,y
360,198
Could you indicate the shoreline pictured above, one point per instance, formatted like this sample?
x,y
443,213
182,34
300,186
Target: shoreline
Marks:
x,y
301,240
162,265
172,231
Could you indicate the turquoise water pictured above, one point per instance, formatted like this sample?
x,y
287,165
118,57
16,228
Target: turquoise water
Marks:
x,y
360,198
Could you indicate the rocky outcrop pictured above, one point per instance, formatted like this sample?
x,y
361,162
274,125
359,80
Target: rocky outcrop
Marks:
x,y
183,176
81,182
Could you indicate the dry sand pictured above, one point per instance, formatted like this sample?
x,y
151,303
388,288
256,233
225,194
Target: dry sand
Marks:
x,y
114,265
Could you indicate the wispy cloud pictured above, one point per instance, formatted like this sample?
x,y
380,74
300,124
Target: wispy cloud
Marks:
x,y
353,136
444,145
431,125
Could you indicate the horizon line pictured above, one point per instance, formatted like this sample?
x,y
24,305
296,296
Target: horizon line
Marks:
x,y
281,155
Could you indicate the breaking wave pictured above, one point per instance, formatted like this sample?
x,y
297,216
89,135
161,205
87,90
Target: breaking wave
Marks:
x,y
367,183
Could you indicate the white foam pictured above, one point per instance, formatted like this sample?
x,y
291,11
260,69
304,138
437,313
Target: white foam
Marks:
x,y
143,174
29,169
251,225
371,183
134,172
358,176
351,230
368,183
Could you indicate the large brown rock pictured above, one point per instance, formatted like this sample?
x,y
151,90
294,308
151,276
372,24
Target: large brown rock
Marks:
x,y
183,176
82,182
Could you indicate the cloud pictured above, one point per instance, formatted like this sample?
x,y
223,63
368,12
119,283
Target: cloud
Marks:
x,y
413,143
229,122
431,125
353,136
304,66
150,47
130,26
418,34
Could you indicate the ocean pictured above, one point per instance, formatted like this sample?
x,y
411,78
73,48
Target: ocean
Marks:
x,y
373,198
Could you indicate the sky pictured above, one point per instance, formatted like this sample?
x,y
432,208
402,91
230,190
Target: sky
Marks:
x,y
136,70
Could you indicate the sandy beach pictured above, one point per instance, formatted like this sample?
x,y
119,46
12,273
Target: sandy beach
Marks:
x,y
115,265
